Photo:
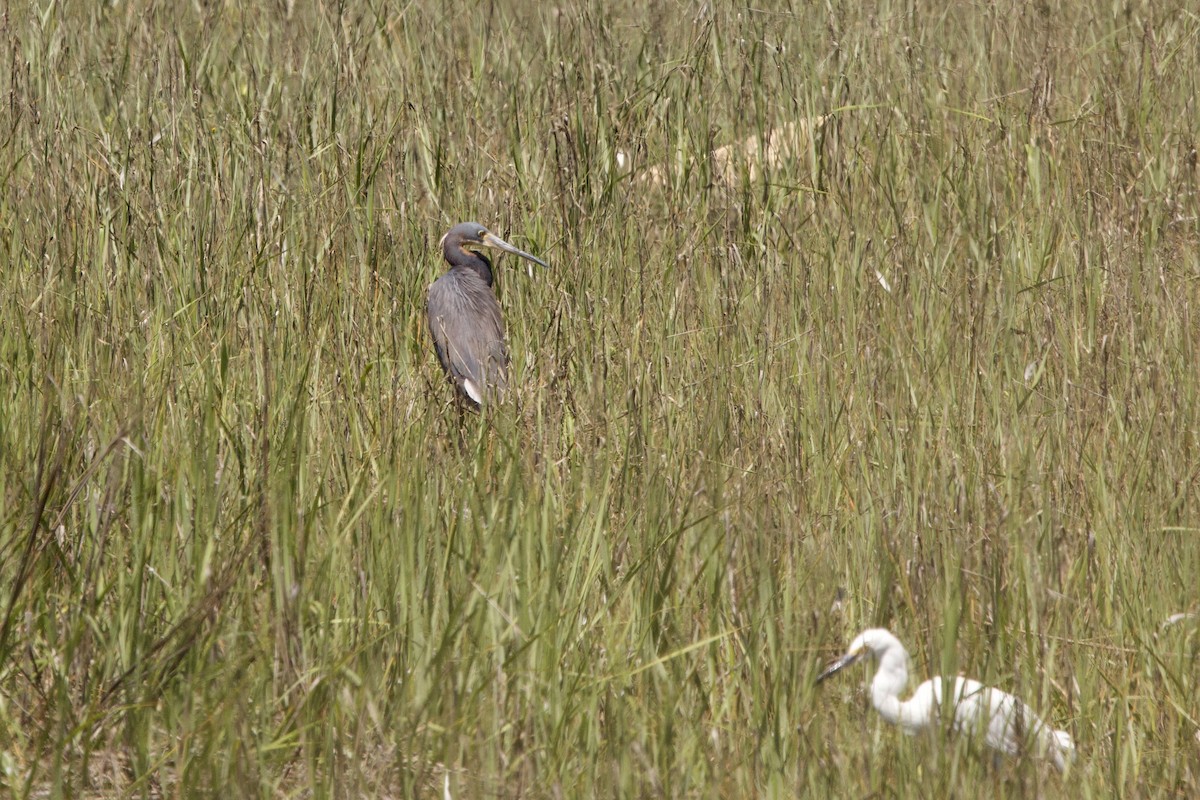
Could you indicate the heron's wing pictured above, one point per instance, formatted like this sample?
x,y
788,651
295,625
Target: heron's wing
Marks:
x,y
468,334
1007,723
1014,727
967,702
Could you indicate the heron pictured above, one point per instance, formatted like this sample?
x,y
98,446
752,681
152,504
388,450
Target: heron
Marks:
x,y
464,315
1009,725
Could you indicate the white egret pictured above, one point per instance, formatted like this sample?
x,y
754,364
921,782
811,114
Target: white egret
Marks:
x,y
1009,725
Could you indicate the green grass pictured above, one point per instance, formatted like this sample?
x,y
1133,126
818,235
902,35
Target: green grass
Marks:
x,y
247,548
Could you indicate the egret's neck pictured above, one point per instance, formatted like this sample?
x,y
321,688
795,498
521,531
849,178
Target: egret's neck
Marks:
x,y
890,680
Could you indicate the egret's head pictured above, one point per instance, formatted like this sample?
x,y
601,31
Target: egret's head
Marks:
x,y
874,642
473,237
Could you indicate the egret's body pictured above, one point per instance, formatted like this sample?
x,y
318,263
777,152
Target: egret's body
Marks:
x,y
1008,725
464,315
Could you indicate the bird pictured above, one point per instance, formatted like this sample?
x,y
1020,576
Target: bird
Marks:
x,y
464,315
1008,724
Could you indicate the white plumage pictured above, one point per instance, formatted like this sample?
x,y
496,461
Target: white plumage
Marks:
x,y
1008,725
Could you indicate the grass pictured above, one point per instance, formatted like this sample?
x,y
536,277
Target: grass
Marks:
x,y
246,546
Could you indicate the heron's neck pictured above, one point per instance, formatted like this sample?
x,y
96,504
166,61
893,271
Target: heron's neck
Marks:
x,y
476,262
890,680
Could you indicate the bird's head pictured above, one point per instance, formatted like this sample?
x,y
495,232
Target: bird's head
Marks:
x,y
473,237
873,643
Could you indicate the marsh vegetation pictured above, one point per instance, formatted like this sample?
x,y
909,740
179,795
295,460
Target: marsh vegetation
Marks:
x,y
936,370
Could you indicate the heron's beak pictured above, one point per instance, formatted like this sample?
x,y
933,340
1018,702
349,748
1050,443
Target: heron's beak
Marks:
x,y
840,664
492,240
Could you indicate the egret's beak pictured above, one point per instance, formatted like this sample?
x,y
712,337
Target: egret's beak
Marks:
x,y
492,240
841,664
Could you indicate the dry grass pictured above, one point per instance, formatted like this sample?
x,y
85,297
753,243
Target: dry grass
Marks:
x,y
746,160
247,548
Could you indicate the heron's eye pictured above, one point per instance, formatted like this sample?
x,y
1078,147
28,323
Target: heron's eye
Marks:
x,y
481,233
